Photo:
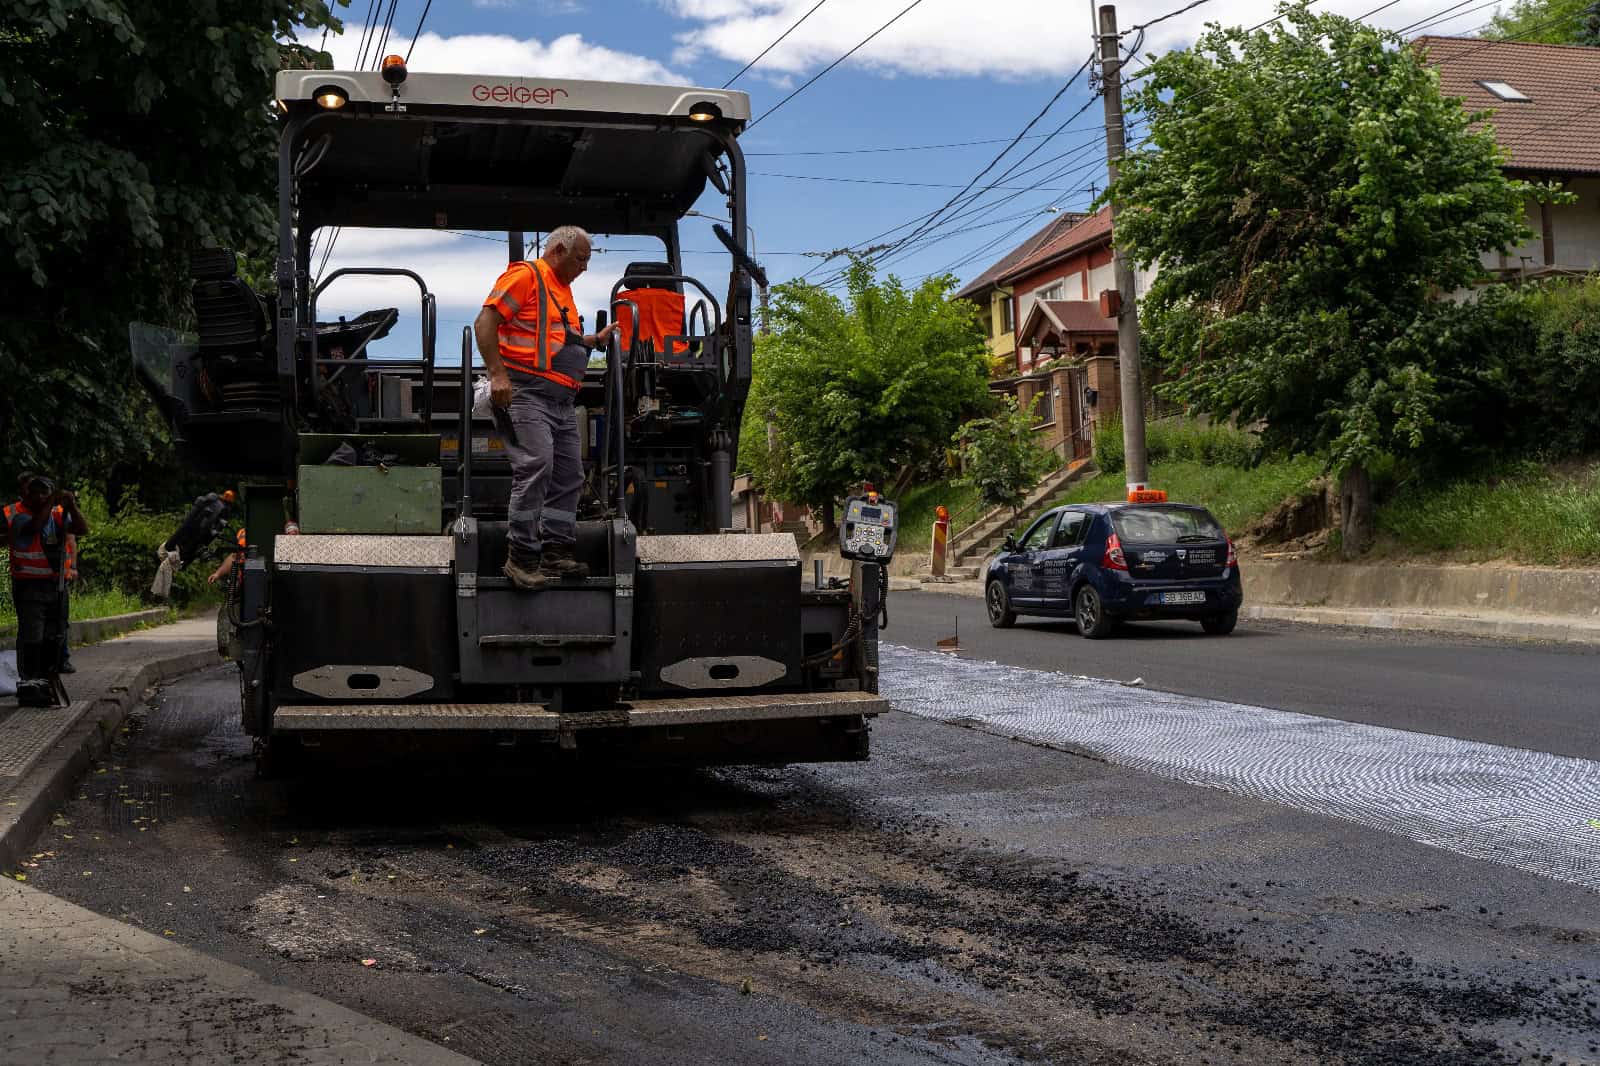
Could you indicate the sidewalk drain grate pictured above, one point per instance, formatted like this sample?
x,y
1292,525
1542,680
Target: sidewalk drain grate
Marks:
x,y
1525,809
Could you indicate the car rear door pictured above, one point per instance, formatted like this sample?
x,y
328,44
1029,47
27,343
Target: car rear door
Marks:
x,y
1171,544
1027,588
1058,561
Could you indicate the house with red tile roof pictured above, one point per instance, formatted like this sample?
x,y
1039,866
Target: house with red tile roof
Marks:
x,y
1545,104
994,299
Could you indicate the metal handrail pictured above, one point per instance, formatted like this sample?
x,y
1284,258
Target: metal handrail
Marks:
x,y
429,326
464,431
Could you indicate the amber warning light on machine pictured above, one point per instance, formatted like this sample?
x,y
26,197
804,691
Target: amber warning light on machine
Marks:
x,y
394,69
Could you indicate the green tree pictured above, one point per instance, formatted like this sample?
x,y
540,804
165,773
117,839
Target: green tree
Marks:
x,y
1309,196
130,134
861,387
1002,456
1548,22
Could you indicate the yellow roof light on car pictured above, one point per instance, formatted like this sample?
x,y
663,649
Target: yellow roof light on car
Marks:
x,y
331,97
704,111
393,69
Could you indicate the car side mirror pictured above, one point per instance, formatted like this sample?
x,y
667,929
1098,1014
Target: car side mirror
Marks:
x,y
1010,543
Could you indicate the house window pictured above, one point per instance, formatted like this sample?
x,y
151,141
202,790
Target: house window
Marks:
x,y
1050,292
1007,323
1507,92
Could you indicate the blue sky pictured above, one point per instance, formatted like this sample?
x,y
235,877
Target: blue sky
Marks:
x,y
949,71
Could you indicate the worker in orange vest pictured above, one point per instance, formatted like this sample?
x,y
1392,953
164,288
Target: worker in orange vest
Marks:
x,y
229,561
533,383
37,527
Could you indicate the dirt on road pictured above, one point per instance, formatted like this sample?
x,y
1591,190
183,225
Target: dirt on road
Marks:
x,y
829,914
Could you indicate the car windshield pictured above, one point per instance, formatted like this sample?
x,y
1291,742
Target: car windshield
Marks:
x,y
1165,525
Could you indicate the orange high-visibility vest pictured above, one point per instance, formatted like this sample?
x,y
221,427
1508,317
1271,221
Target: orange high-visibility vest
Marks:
x,y
516,298
28,559
69,561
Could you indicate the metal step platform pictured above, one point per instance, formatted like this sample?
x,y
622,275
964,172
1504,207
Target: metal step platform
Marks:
x,y
534,717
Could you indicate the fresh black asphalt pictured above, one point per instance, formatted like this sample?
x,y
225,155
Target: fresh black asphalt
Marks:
x,y
1545,697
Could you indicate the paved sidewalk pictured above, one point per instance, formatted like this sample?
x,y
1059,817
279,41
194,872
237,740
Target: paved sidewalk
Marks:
x,y
79,988
44,749
76,987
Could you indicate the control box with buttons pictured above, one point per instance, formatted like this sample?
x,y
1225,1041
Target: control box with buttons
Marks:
x,y
869,530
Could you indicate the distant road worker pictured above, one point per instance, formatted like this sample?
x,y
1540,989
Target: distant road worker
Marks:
x,y
533,383
37,527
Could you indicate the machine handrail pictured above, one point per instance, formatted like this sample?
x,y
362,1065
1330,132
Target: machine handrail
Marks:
x,y
429,325
716,308
464,430
615,430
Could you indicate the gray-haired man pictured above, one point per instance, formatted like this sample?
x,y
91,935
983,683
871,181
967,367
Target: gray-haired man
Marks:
x,y
533,381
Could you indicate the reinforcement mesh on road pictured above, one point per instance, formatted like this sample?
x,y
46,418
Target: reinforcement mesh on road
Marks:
x,y
1526,809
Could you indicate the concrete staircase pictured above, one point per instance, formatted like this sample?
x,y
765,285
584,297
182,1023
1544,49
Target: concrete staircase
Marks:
x,y
976,542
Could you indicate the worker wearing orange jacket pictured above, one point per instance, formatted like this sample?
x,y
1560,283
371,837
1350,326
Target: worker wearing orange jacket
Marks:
x,y
533,383
37,527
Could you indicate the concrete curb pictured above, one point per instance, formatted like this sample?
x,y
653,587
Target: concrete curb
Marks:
x,y
1550,628
94,630
48,784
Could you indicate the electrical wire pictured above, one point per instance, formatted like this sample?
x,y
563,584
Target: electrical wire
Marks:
x,y
1014,142
819,74
774,44
418,31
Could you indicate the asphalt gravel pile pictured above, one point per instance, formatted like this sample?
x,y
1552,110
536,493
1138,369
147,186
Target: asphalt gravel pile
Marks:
x,y
805,914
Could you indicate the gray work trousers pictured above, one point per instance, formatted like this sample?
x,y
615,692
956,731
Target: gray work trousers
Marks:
x,y
541,437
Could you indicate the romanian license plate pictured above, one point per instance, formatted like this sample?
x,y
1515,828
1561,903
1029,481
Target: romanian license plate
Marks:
x,y
1183,597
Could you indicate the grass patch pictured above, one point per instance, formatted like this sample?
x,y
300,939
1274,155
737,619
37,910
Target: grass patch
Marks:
x,y
1533,516
86,603
916,511
1236,495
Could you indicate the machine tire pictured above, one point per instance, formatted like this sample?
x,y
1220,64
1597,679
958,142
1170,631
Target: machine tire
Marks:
x,y
1090,613
998,602
1220,625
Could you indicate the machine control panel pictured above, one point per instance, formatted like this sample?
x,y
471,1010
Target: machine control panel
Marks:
x,y
870,529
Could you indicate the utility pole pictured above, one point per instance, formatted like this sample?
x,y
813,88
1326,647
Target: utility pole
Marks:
x,y
1128,371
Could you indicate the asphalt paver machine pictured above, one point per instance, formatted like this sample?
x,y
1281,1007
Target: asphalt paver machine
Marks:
x,y
386,621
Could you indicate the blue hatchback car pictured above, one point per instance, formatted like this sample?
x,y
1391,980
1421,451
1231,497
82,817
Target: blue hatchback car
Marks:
x,y
1105,563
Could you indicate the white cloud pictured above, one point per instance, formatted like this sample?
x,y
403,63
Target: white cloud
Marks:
x,y
567,56
955,38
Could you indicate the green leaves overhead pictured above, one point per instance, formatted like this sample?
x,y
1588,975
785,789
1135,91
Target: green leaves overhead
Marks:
x,y
1311,200
862,387
131,134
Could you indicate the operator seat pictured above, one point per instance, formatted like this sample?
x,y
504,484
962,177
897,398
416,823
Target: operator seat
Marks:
x,y
234,329
661,312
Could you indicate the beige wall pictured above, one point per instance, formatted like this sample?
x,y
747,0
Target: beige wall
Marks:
x,y
1577,233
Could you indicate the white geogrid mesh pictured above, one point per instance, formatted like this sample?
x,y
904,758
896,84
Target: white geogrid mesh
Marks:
x,y
1527,809
27,733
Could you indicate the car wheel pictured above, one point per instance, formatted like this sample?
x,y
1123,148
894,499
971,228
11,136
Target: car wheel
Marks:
x,y
1001,616
1090,611
1220,625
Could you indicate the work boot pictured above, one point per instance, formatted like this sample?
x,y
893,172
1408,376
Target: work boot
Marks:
x,y
525,573
558,563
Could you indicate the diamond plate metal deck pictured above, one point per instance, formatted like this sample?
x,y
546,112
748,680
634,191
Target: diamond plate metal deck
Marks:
x,y
687,710
27,733
409,552
718,548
